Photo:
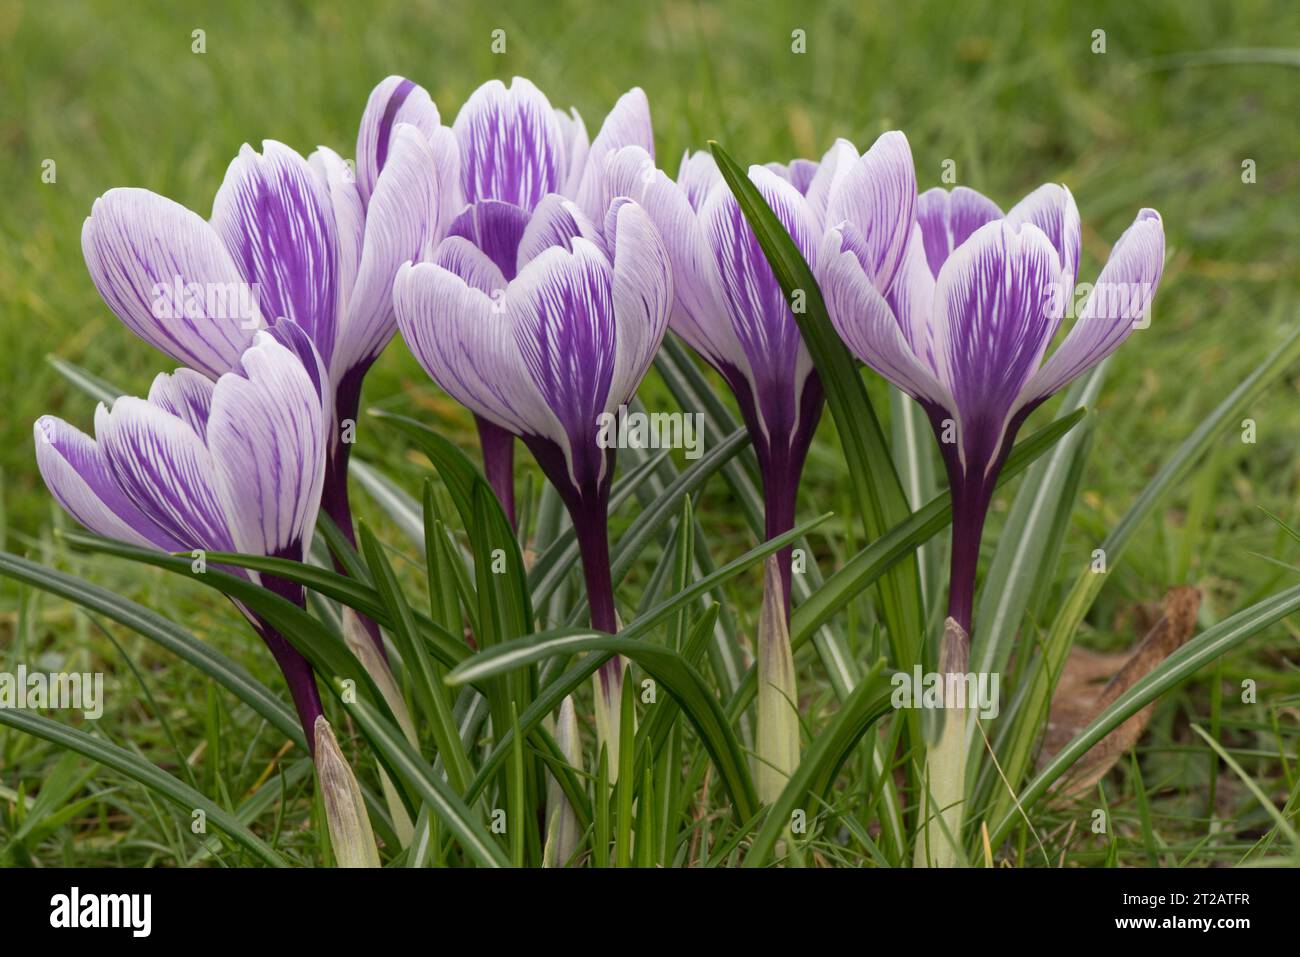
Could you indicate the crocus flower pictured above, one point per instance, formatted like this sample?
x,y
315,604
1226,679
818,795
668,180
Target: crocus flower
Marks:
x,y
545,355
731,309
291,238
235,465
518,159
965,333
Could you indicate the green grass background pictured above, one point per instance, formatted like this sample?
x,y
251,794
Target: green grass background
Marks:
x,y
1011,92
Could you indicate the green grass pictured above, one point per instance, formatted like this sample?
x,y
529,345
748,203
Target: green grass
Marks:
x,y
1011,93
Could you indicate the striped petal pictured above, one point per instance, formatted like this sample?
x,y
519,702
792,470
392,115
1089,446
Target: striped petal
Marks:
x,y
576,146
512,147
267,436
555,222
77,474
994,318
340,186
1052,209
278,223
395,100
877,194
162,465
773,349
834,164
167,275
697,175
948,218
465,342
1118,303
868,327
643,296
561,309
496,228
185,394
401,226
462,258
628,124
912,300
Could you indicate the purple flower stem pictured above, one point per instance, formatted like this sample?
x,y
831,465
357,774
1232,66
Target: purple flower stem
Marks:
x,y
498,447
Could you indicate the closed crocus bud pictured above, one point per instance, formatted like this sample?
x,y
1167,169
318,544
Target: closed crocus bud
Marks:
x,y
345,808
562,830
778,715
939,844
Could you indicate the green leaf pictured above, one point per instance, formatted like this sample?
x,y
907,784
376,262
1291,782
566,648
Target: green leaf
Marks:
x,y
137,769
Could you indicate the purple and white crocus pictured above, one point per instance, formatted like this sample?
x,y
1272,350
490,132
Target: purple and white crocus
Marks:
x,y
966,332
732,310
232,465
544,356
519,161
293,238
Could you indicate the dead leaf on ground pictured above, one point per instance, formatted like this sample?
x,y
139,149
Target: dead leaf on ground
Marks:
x,y
1080,697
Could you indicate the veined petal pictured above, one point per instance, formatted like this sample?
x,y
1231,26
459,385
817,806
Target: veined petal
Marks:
x,y
699,313
77,474
643,296
697,175
278,223
628,124
187,395
162,465
798,173
912,301
462,258
465,342
948,218
292,337
1052,209
877,194
401,226
395,100
555,222
1118,302
340,186
868,327
512,147
576,146
495,227
167,275
760,314
835,162
994,318
268,442
561,309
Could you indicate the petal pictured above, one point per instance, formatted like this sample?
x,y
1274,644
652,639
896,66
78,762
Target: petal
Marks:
x,y
512,147
167,275
465,342
555,222
496,228
1117,305
628,124
278,223
799,173
395,100
994,317
643,296
912,300
185,394
877,194
697,175
576,146
401,225
340,187
699,313
1051,208
868,327
162,465
562,312
268,442
834,164
756,305
462,258
948,218
77,474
